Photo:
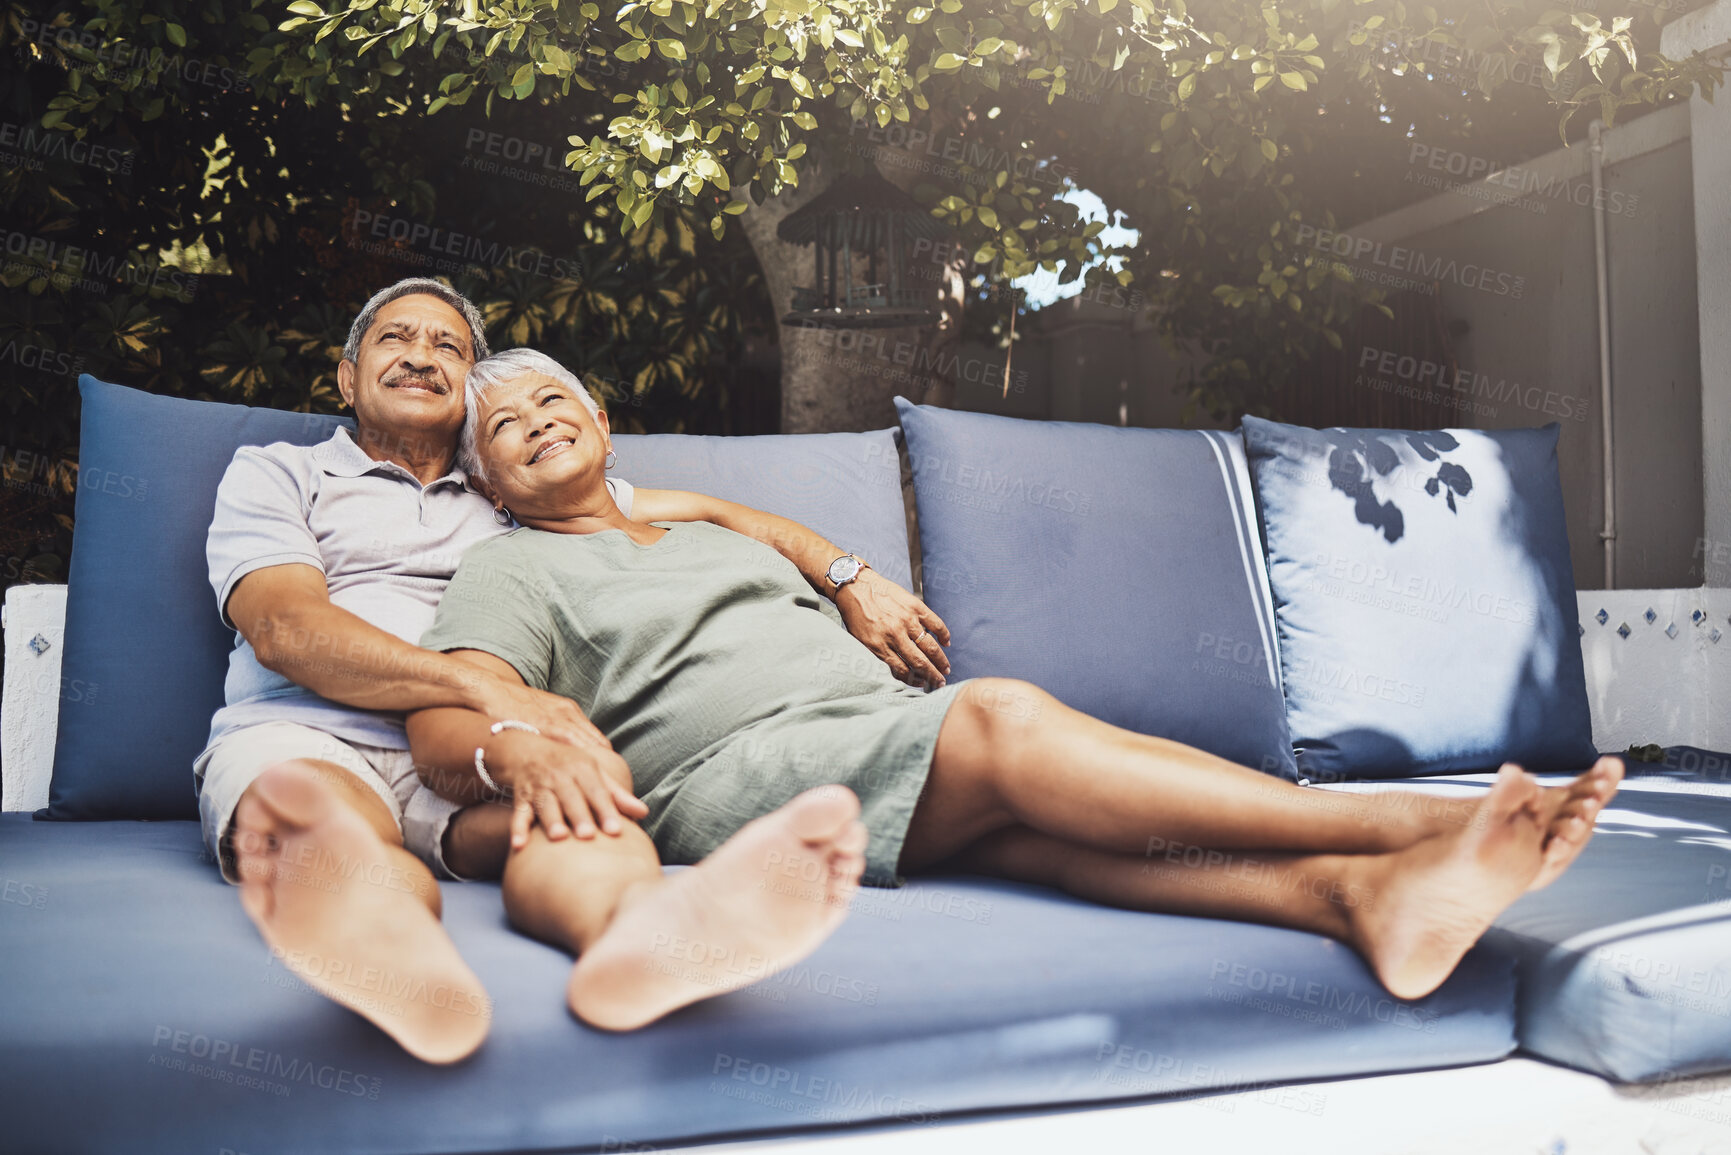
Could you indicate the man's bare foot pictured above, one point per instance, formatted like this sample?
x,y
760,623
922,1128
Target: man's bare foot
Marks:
x,y
1435,898
1568,813
337,906
759,904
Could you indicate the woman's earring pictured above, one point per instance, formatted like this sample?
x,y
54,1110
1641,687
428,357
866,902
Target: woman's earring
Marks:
x,y
612,457
502,516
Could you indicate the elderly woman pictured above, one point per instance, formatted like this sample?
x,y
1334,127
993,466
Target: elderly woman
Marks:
x,y
728,687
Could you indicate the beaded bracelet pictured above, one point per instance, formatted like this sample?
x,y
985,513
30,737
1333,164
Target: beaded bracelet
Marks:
x,y
480,752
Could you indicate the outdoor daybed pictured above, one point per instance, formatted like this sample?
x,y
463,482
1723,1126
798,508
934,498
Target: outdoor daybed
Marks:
x,y
1126,570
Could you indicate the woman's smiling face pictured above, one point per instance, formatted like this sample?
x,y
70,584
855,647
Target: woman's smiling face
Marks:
x,y
539,445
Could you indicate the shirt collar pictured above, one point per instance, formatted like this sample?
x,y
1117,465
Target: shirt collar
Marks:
x,y
341,457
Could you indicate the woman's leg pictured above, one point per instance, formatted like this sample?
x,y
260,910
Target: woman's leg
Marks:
x,y
1009,754
648,943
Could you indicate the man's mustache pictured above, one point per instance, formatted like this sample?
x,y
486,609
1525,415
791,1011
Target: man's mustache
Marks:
x,y
416,379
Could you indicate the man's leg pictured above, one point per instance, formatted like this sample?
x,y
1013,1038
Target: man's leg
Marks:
x,y
648,943
1094,788
1411,913
324,876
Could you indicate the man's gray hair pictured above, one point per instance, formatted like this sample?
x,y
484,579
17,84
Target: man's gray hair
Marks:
x,y
410,287
490,372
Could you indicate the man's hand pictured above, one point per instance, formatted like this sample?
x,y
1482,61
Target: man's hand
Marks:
x,y
563,787
556,717
897,627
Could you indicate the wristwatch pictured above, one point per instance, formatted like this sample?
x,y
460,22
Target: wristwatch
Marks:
x,y
844,569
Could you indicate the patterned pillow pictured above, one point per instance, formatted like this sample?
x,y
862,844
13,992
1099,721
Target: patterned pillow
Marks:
x,y
1424,599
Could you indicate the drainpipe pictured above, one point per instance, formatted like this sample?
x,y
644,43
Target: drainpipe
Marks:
x,y
1596,134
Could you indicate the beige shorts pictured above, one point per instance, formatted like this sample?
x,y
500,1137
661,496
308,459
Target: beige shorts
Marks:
x,y
230,765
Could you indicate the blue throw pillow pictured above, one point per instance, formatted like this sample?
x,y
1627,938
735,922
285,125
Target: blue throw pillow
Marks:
x,y
1425,599
1116,568
845,486
146,653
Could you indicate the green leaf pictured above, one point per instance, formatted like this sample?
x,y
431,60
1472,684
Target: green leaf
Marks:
x,y
987,217
176,35
1293,81
1270,150
670,48
805,120
1187,87
988,46
948,62
800,84
305,8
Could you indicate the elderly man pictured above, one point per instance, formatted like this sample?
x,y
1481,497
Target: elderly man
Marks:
x,y
327,561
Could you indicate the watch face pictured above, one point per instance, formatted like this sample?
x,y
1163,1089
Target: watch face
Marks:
x,y
844,569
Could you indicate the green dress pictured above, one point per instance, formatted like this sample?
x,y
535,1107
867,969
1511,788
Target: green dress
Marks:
x,y
725,682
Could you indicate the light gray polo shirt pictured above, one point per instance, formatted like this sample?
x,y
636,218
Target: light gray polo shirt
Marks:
x,y
386,544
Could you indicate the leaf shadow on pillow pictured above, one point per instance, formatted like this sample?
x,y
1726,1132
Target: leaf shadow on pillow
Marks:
x,y
1357,456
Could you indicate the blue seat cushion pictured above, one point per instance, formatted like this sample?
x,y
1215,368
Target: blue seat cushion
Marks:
x,y
131,979
145,651
1424,598
1625,961
1117,569
146,654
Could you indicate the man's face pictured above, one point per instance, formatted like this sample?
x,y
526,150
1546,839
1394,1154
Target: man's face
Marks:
x,y
407,379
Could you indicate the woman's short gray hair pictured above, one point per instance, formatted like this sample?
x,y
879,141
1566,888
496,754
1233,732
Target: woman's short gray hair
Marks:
x,y
496,370
411,287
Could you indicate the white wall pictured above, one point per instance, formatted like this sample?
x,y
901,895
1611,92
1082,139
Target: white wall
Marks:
x,y
32,693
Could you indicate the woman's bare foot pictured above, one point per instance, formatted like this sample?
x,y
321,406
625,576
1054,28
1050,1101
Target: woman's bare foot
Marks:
x,y
1569,816
343,911
1435,898
756,906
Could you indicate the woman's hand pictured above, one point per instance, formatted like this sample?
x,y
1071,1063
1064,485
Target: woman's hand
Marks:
x,y
566,788
554,716
897,627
